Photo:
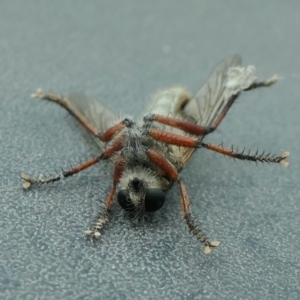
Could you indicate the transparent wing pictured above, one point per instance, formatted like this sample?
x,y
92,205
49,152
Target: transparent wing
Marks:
x,y
208,102
227,79
97,114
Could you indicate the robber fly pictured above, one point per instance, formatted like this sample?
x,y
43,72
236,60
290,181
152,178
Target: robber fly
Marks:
x,y
149,157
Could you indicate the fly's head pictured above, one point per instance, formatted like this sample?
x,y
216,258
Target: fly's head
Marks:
x,y
141,190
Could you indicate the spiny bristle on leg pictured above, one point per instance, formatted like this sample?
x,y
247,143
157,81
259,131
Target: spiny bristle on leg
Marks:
x,y
95,233
199,234
41,180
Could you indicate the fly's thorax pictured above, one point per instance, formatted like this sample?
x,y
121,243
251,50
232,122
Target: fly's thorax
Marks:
x,y
136,140
134,145
170,102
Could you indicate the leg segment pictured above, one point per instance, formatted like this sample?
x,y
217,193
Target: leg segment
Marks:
x,y
171,171
265,83
109,152
232,99
202,130
187,215
180,124
66,104
172,138
108,135
250,157
95,233
29,181
179,140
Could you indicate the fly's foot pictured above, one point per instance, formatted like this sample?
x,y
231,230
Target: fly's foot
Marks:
x,y
43,179
272,80
208,246
38,94
283,156
28,181
50,97
95,233
92,234
199,234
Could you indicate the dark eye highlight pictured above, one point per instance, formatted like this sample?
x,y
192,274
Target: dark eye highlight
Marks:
x,y
124,201
154,200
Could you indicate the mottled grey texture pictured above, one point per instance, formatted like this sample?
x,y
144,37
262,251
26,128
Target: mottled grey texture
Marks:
x,y
121,53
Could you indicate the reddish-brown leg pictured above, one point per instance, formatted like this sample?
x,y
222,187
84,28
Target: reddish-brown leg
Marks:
x,y
158,159
172,138
94,233
250,157
66,104
107,136
179,140
180,124
202,130
109,152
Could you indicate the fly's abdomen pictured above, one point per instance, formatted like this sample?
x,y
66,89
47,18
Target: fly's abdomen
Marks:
x,y
170,102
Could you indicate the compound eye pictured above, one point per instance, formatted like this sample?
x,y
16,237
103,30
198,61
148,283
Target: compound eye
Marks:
x,y
154,200
124,201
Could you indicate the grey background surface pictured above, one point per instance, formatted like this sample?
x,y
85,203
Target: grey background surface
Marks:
x,y
121,53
